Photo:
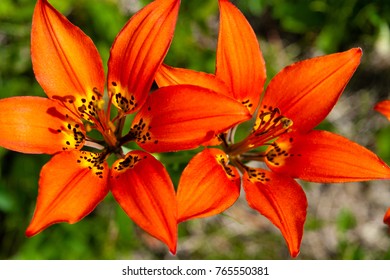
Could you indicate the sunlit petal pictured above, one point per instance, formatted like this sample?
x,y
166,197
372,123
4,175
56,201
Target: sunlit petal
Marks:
x,y
183,117
240,63
38,125
322,156
66,63
143,189
70,187
306,91
208,186
169,76
281,200
138,52
383,107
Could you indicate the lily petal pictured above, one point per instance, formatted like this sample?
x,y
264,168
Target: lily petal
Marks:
x,y
383,107
183,117
138,52
170,76
386,218
321,156
143,189
66,63
71,185
38,125
306,91
240,63
281,200
208,186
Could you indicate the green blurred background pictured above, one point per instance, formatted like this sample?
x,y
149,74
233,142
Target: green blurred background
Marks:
x,y
344,220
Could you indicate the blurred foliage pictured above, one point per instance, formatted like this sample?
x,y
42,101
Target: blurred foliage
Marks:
x,y
287,30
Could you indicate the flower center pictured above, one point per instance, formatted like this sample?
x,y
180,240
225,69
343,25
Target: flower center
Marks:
x,y
269,125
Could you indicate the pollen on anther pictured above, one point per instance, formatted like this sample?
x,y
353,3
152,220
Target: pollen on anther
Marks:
x,y
257,176
92,161
129,162
247,103
141,132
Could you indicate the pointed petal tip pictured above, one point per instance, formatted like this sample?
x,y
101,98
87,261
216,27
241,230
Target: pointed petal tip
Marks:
x,y
60,46
356,54
138,51
358,50
239,63
383,107
34,229
36,226
71,185
172,249
294,253
298,86
31,232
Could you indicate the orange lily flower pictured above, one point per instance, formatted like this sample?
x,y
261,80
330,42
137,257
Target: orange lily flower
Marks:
x,y
68,67
282,145
383,107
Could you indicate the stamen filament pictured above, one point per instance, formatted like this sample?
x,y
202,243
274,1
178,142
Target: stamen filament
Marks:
x,y
231,134
94,145
269,126
253,156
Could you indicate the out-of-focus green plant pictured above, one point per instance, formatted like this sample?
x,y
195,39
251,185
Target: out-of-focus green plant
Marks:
x,y
330,25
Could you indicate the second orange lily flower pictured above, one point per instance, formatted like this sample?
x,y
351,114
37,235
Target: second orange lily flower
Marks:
x,y
383,107
283,144
68,67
